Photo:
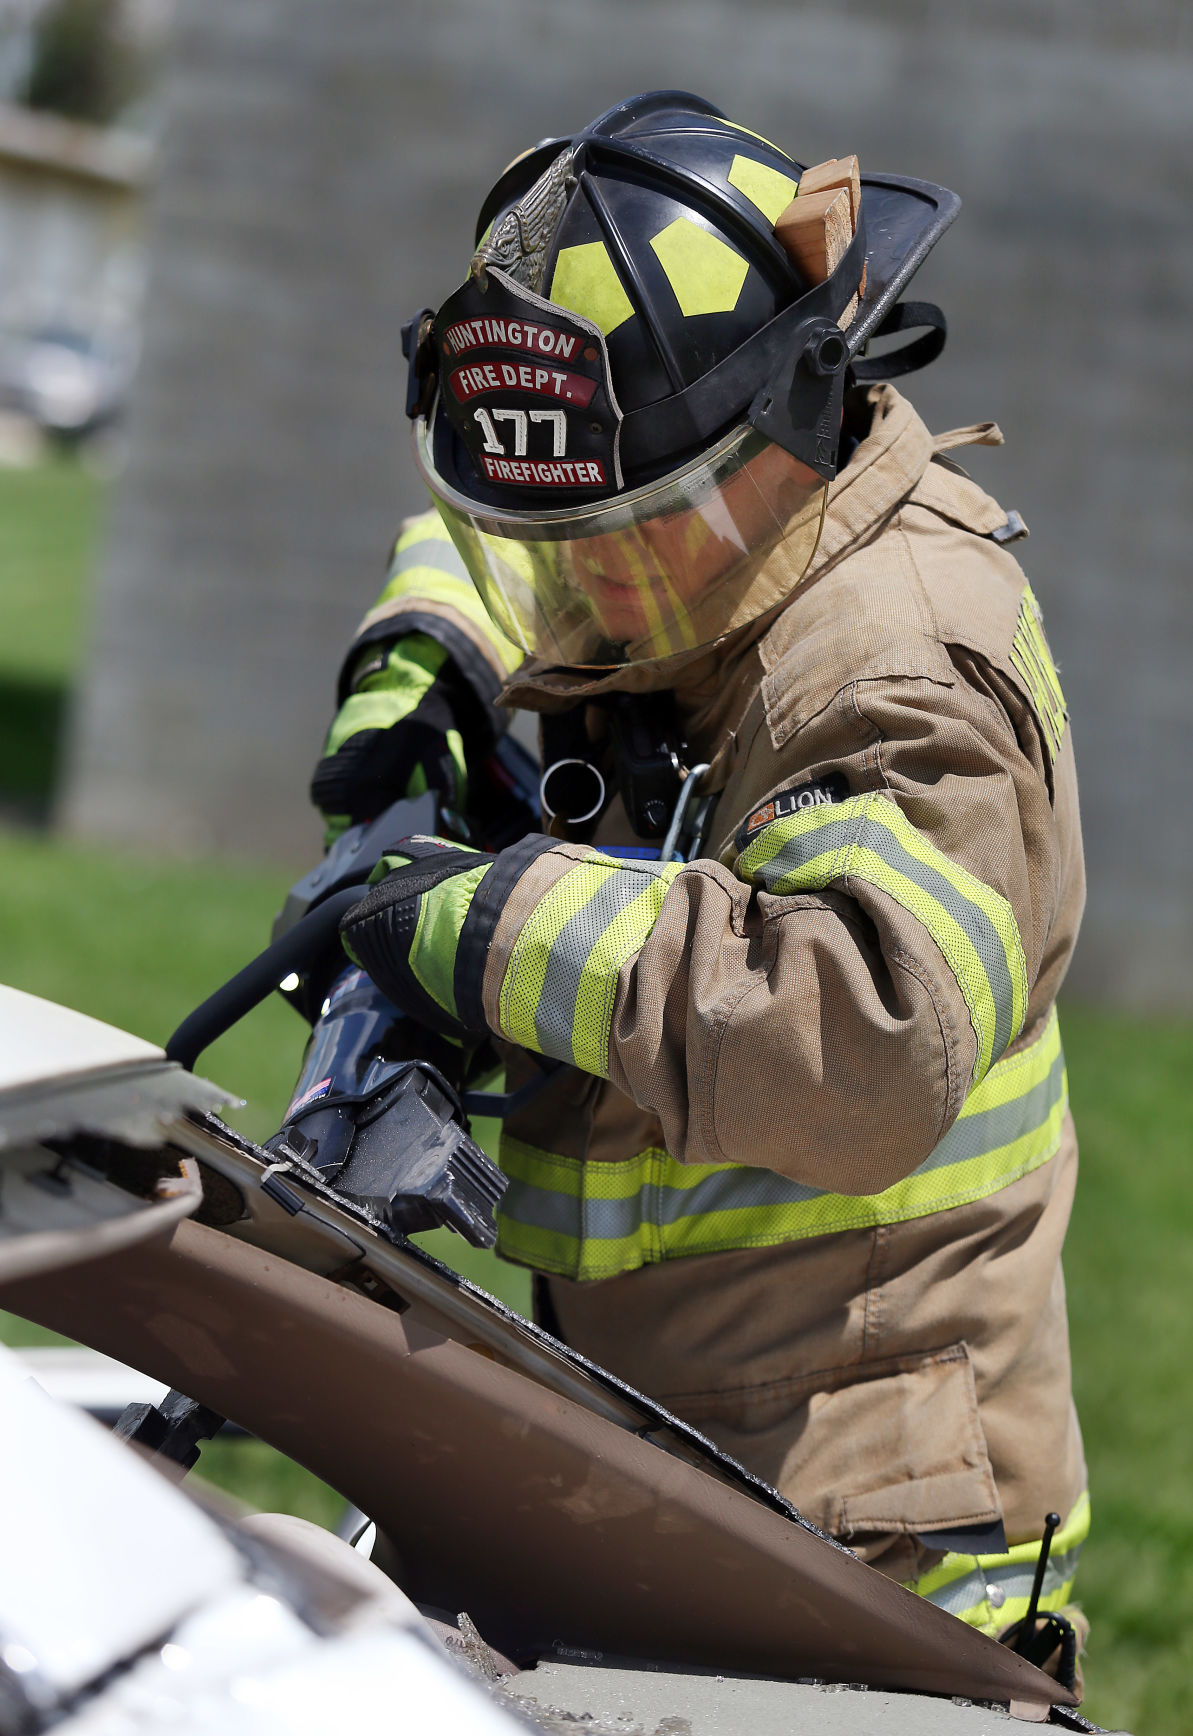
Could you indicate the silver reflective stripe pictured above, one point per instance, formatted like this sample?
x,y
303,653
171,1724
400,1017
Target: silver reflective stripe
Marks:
x,y
991,1129
732,1190
1013,1580
739,1188
432,552
843,834
555,1015
543,1208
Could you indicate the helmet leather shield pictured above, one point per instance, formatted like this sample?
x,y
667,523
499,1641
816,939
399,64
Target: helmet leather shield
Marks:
x,y
525,388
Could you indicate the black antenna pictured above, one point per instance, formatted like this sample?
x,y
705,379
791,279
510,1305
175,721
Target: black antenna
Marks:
x,y
1028,1626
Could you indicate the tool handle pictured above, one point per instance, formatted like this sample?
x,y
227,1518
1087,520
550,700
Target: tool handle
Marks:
x,y
260,977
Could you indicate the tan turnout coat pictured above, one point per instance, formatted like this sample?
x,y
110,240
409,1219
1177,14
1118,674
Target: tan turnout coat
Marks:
x,y
895,1380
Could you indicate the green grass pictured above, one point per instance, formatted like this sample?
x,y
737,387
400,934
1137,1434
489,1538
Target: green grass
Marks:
x,y
1130,1278
140,944
49,518
48,524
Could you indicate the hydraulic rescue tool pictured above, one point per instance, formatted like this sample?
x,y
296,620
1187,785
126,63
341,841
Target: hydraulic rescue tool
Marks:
x,y
370,1113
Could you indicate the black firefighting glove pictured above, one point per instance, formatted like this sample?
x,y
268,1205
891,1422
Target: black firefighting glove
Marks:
x,y
400,731
411,932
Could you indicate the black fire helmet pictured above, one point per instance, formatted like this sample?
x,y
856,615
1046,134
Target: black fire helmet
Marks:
x,y
628,415
656,224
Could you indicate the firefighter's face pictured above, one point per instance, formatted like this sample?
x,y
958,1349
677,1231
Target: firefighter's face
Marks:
x,y
651,574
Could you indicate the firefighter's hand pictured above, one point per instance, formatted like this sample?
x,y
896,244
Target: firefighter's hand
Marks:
x,y
410,722
407,934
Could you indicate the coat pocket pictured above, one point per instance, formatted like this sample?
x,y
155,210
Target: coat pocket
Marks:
x,y
866,1450
899,1450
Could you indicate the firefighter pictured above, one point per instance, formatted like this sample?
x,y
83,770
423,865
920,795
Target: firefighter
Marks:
x,y
806,1169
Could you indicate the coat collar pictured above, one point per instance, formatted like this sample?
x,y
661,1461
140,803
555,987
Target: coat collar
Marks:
x,y
883,470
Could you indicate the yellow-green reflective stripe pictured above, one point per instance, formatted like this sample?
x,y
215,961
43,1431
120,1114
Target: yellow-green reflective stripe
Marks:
x,y
621,917
1034,621
559,986
424,527
435,586
373,711
419,584
1032,658
1016,1075
962,1584
869,838
994,1598
1071,1535
522,985
592,1220
390,694
426,565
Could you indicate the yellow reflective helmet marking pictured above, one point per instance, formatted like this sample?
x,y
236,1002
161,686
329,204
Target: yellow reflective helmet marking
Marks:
x,y
705,272
763,186
769,143
586,281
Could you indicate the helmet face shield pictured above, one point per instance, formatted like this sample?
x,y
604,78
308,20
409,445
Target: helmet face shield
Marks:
x,y
666,568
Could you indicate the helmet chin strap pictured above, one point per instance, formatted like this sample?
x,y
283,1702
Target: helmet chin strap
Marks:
x,y
905,316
